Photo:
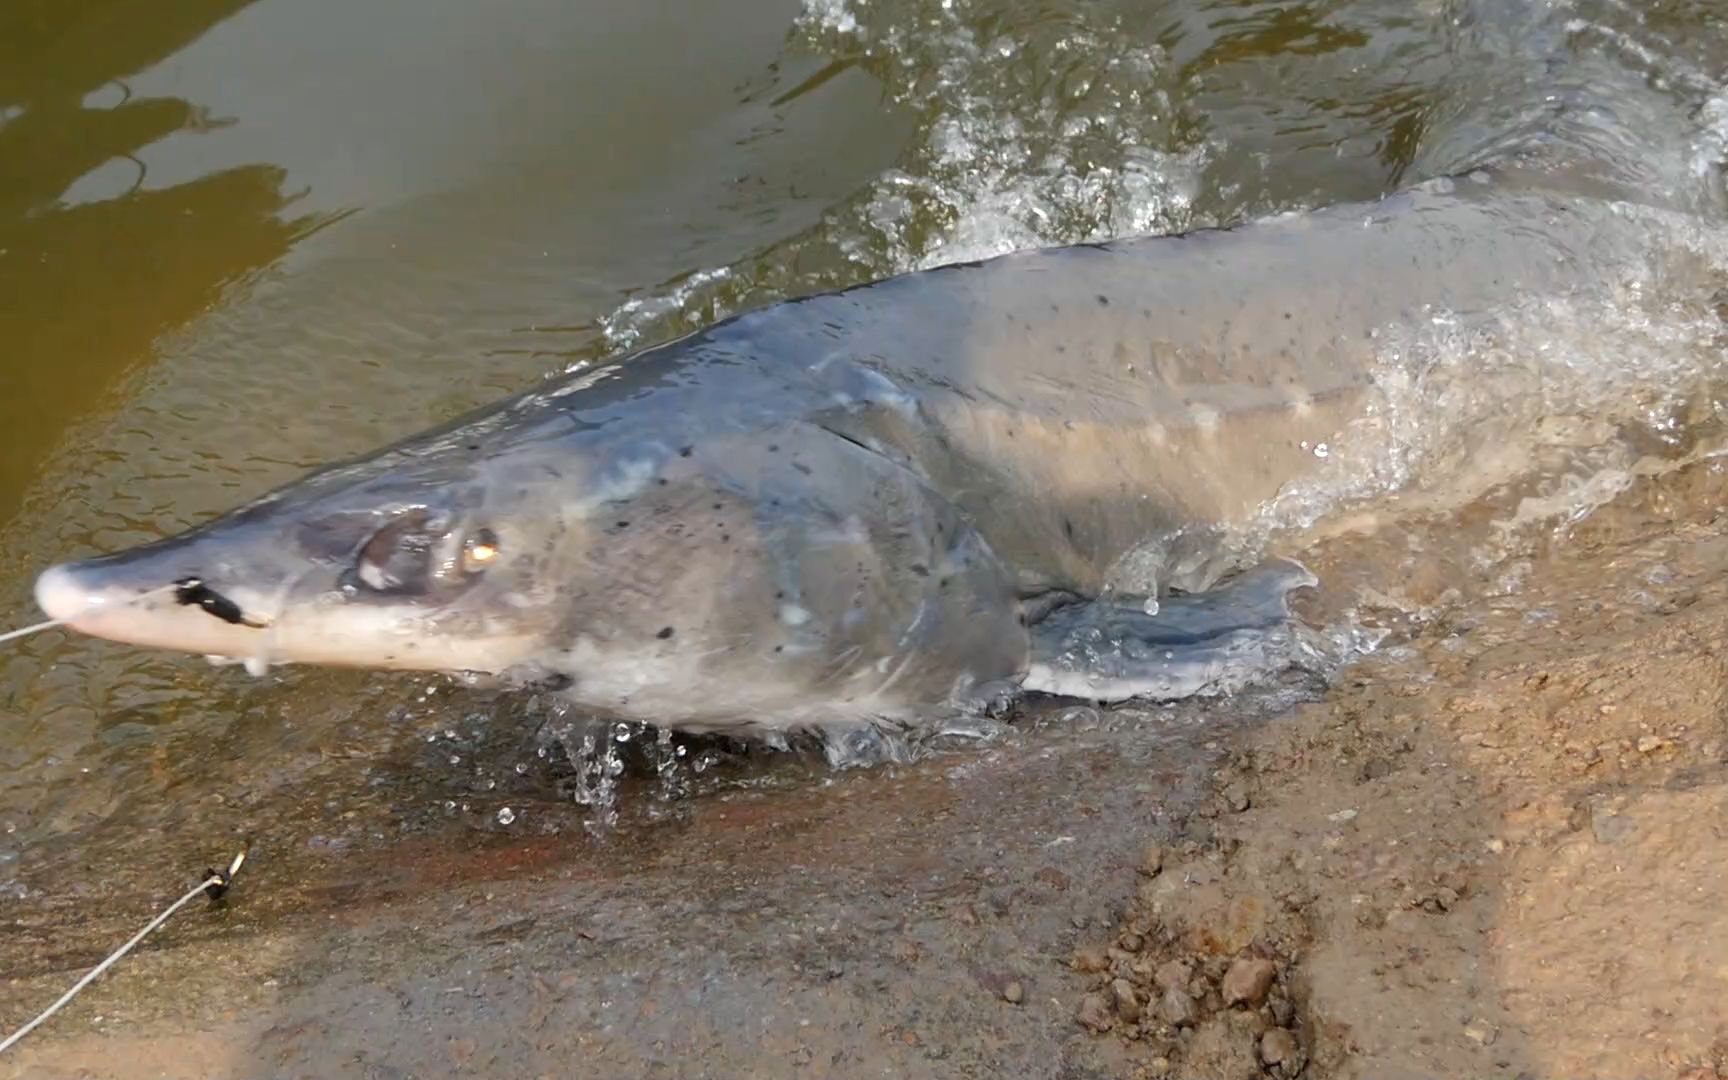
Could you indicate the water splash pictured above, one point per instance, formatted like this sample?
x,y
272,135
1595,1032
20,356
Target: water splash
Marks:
x,y
1549,390
1029,129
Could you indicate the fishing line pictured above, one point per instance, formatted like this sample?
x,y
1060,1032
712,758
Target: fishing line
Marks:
x,y
188,592
215,883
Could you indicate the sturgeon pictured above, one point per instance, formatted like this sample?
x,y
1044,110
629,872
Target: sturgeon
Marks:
x,y
870,506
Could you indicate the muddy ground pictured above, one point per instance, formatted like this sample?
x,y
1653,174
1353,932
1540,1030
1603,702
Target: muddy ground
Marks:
x,y
1499,847
1501,850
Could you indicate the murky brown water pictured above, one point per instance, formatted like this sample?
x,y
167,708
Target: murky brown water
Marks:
x,y
240,239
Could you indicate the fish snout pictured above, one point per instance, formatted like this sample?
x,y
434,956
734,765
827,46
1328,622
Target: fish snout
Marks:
x,y
150,601
61,596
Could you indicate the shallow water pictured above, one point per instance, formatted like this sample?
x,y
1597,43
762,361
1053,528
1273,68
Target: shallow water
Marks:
x,y
238,242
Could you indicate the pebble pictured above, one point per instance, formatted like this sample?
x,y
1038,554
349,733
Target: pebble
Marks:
x,y
1649,744
1441,899
1091,960
1152,860
1236,797
1173,975
1014,993
1277,1046
1479,1031
1094,1014
1127,1004
1248,980
1177,1008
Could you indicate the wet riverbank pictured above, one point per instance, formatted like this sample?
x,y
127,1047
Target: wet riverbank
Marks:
x,y
1488,851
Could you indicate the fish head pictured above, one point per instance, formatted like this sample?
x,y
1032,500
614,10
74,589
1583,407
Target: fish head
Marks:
x,y
766,578
409,560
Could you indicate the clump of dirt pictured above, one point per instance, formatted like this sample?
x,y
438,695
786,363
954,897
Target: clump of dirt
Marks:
x,y
1197,976
1497,849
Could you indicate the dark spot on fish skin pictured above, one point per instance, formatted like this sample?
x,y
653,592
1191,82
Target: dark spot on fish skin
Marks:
x,y
192,591
1103,301
686,451
781,595
662,481
1286,314
665,633
1061,350
473,446
942,583
920,569
1068,529
725,538
623,524
773,448
717,506
779,648
803,468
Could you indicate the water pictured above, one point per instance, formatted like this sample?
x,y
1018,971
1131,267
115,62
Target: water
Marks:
x,y
245,238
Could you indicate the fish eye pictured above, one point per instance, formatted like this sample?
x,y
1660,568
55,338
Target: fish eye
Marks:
x,y
398,556
479,551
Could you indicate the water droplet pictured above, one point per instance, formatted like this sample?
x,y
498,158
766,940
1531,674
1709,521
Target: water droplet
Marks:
x,y
506,815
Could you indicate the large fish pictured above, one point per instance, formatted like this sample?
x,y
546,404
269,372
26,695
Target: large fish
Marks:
x,y
875,505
